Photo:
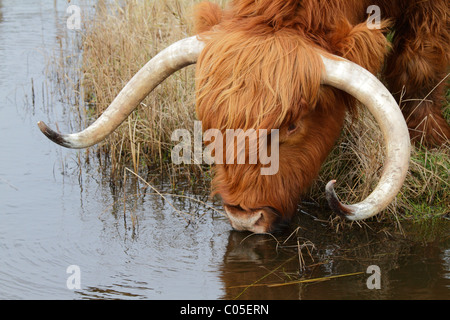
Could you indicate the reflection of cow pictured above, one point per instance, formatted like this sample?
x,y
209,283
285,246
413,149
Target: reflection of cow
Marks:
x,y
255,266
272,64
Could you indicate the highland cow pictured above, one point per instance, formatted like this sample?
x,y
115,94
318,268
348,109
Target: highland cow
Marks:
x,y
299,66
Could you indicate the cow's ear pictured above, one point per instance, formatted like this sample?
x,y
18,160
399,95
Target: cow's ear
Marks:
x,y
206,16
360,44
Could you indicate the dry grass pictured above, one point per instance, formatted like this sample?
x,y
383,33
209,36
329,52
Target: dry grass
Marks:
x,y
118,42
357,163
121,39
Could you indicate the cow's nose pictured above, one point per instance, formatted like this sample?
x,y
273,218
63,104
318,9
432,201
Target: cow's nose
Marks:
x,y
256,221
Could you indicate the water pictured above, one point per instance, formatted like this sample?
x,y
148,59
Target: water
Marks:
x,y
55,213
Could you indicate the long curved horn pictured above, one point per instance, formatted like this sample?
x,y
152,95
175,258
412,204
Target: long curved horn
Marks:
x,y
365,87
175,57
339,73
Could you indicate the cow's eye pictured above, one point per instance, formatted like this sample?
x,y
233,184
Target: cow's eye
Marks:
x,y
292,128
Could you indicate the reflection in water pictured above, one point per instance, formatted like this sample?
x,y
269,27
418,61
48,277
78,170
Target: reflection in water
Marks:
x,y
260,267
57,210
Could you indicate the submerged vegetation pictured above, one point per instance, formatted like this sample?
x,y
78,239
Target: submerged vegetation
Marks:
x,y
121,38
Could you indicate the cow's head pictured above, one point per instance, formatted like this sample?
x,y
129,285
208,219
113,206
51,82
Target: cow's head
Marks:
x,y
250,80
263,77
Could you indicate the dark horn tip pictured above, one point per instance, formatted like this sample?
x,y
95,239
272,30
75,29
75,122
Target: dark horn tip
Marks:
x,y
53,135
334,202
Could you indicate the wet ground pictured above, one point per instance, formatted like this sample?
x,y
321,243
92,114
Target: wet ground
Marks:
x,y
130,243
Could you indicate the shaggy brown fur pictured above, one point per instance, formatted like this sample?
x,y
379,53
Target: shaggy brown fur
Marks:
x,y
261,70
416,70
